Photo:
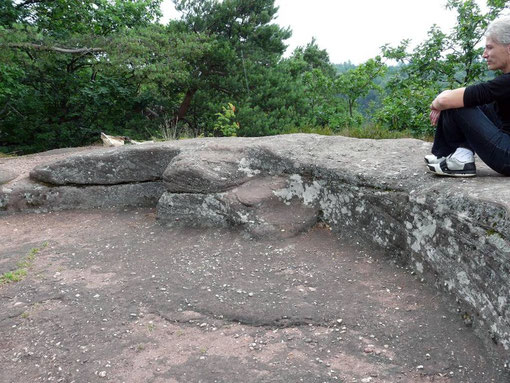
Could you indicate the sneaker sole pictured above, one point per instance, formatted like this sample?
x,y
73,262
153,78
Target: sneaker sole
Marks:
x,y
436,169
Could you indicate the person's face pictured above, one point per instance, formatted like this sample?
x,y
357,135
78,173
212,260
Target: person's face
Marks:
x,y
497,55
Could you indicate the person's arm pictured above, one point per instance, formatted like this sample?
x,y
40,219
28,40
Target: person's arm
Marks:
x,y
449,99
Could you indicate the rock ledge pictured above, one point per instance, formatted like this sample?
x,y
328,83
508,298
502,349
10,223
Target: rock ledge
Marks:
x,y
279,186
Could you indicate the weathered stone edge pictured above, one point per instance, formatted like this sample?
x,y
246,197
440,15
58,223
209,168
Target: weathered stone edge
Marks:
x,y
31,197
459,239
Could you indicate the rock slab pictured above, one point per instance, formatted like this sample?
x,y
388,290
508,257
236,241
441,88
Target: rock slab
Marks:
x,y
456,230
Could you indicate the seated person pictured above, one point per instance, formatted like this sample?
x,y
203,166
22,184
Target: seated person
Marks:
x,y
475,119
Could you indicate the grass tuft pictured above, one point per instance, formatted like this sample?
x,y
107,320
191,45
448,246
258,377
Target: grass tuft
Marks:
x,y
374,132
369,130
22,267
5,155
322,130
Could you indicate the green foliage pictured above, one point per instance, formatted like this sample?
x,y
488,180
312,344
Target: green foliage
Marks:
x,y
311,85
322,130
64,18
13,276
357,82
442,61
226,123
374,131
53,91
407,109
238,68
71,69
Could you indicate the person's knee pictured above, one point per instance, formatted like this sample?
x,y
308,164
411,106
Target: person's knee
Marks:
x,y
468,119
469,112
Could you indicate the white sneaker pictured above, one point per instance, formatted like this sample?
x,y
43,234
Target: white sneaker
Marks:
x,y
453,167
432,159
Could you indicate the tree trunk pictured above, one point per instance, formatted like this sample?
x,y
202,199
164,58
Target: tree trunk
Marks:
x,y
183,109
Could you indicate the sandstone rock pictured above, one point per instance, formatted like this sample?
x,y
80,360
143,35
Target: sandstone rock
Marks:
x,y
140,163
209,170
453,230
29,196
6,176
254,207
196,209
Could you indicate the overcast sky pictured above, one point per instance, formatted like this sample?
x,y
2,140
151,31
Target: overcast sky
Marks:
x,y
352,29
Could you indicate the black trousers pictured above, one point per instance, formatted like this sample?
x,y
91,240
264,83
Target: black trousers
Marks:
x,y
477,129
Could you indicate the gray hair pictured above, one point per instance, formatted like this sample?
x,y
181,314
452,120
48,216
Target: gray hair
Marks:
x,y
499,30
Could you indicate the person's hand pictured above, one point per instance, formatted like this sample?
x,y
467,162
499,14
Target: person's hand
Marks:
x,y
434,116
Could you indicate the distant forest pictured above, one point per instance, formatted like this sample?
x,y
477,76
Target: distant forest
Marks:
x,y
72,69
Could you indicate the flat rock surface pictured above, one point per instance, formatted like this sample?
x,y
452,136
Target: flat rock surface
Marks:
x,y
20,167
118,297
395,164
109,166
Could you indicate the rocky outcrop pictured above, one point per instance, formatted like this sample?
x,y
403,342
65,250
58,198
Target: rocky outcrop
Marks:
x,y
128,164
254,206
85,178
456,230
216,169
7,176
27,195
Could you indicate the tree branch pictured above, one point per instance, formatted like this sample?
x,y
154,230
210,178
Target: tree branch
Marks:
x,y
151,112
28,2
82,51
9,106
